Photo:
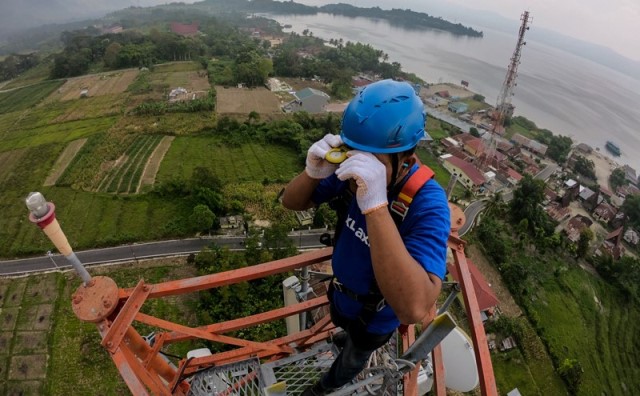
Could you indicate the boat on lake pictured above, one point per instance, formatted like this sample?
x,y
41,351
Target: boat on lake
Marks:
x,y
613,148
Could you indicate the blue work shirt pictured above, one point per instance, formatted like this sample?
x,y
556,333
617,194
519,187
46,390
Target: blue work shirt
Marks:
x,y
424,231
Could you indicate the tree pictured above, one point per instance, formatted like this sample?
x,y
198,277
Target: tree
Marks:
x,y
474,131
585,167
631,207
202,218
478,98
586,235
618,178
571,371
526,203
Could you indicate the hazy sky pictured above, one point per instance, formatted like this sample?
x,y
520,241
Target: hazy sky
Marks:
x,y
611,23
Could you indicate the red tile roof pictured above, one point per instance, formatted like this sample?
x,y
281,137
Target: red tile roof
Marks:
x,y
468,169
185,30
484,294
514,174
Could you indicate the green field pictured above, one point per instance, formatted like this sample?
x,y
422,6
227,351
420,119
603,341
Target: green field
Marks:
x,y
31,76
124,178
24,98
249,162
442,175
584,318
51,352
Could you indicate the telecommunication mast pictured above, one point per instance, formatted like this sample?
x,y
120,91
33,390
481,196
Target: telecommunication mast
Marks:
x,y
504,108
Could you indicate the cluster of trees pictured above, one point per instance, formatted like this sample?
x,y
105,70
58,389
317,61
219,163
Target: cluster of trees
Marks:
x,y
127,49
297,132
15,64
558,145
335,65
618,178
585,167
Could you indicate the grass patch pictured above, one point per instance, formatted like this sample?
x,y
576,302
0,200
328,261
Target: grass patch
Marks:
x,y
583,318
177,67
55,133
474,105
442,176
24,98
81,365
169,123
249,162
31,76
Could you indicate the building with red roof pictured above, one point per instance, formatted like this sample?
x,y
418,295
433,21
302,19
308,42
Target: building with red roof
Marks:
x,y
467,173
184,29
486,297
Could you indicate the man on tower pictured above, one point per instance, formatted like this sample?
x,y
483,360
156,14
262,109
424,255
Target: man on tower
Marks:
x,y
391,238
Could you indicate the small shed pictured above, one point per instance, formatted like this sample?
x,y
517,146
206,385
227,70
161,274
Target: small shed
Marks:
x,y
310,100
458,107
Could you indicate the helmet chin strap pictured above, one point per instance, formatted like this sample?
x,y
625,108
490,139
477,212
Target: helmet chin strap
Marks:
x,y
394,171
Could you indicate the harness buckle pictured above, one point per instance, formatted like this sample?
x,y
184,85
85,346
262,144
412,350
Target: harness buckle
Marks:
x,y
337,285
399,208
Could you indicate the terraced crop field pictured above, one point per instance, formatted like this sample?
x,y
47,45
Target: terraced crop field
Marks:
x,y
125,176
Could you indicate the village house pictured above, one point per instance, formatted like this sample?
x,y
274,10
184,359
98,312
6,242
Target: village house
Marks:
x,y
612,245
467,173
487,299
231,222
557,212
184,29
575,227
630,175
632,237
604,212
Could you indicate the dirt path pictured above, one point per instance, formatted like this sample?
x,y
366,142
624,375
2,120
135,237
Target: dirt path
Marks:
x,y
153,163
507,305
64,160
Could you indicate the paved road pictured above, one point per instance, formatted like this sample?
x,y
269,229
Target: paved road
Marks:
x,y
137,251
470,214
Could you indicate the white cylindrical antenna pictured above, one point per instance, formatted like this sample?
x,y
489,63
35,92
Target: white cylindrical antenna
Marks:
x,y
43,214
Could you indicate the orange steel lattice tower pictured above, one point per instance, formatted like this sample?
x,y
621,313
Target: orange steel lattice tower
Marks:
x,y
504,108
146,371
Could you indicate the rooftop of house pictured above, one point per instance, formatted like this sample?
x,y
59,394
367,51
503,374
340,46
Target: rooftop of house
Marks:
x,y
469,169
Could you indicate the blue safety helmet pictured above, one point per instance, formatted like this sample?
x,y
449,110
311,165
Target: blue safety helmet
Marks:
x,y
384,117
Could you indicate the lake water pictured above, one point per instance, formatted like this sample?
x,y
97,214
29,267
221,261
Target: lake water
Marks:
x,y
559,91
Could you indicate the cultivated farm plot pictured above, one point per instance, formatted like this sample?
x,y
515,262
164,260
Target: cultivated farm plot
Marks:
x,y
8,160
24,98
26,308
64,160
97,84
93,107
124,177
249,162
153,165
244,101
190,80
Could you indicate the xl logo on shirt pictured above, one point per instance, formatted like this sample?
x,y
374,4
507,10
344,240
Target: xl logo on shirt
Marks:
x,y
360,233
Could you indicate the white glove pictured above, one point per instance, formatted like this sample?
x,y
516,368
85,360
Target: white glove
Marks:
x,y
317,166
371,177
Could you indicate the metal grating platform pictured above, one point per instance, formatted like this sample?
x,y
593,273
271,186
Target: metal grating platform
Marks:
x,y
238,379
299,371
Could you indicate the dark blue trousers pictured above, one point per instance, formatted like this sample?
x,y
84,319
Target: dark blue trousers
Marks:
x,y
359,345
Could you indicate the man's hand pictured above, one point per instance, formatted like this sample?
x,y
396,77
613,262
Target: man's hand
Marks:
x,y
317,166
371,178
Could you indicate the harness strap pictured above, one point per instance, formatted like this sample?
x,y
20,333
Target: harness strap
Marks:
x,y
400,206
